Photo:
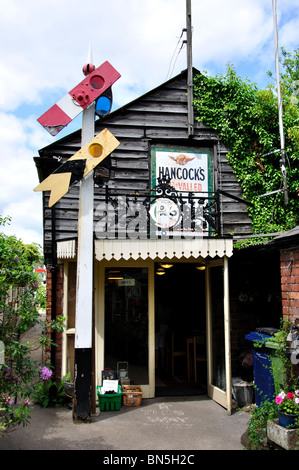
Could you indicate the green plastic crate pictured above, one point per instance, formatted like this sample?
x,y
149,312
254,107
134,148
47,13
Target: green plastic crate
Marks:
x,y
109,401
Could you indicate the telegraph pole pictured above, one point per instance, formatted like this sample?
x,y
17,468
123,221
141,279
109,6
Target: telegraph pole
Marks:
x,y
190,69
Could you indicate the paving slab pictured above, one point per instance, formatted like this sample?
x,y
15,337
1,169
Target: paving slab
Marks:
x,y
171,423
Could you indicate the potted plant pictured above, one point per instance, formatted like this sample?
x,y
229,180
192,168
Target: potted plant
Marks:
x,y
288,408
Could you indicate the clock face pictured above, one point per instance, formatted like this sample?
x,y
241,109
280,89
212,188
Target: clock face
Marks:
x,y
165,213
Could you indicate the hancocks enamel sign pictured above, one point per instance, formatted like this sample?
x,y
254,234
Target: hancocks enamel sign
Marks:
x,y
189,172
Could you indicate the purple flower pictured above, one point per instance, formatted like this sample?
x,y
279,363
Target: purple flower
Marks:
x,y
7,400
45,373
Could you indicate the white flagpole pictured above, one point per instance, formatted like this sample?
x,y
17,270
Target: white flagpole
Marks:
x,y
281,131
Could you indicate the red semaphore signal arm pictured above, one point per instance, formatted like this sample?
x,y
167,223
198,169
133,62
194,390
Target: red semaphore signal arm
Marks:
x,y
79,98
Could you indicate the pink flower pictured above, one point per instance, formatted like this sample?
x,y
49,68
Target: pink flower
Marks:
x,y
282,395
278,400
290,404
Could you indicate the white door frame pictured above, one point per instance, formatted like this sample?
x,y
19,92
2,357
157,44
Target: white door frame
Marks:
x,y
222,397
99,299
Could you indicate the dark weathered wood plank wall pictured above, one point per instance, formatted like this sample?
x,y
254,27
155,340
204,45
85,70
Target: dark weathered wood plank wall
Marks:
x,y
159,117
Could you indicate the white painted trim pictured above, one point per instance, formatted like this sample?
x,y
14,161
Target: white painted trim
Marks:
x,y
143,249
69,106
65,315
151,249
66,249
99,286
220,396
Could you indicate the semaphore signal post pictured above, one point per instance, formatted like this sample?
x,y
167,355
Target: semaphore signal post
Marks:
x,y
80,167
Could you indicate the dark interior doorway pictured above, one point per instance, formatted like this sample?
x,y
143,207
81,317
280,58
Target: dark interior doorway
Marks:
x,y
180,329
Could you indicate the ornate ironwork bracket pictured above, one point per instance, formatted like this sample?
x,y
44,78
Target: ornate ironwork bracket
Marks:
x,y
162,212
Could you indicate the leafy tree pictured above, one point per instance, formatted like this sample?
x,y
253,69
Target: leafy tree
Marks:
x,y
246,120
18,313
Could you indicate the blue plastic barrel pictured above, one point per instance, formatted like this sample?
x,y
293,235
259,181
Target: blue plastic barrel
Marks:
x,y
262,372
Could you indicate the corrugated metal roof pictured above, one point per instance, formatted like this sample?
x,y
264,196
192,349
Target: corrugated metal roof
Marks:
x,y
286,235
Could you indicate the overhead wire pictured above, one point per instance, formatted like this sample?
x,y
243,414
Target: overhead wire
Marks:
x,y
169,72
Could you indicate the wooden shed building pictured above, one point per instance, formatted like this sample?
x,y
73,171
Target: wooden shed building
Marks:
x,y
166,204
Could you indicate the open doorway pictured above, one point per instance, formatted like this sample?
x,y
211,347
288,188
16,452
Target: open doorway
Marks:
x,y
180,329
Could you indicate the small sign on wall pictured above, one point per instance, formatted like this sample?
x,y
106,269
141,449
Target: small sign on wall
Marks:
x,y
126,282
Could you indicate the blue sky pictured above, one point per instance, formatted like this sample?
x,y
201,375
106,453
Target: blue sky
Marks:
x,y
44,46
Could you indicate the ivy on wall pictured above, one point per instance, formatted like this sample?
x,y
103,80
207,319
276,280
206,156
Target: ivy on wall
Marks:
x,y
246,120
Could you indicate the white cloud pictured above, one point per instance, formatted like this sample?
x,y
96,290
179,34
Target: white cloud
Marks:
x,y
26,219
289,32
18,175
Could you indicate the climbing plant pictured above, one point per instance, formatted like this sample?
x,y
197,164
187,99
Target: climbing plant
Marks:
x,y
246,120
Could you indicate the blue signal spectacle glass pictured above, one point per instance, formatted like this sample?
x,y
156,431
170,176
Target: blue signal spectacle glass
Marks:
x,y
104,104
